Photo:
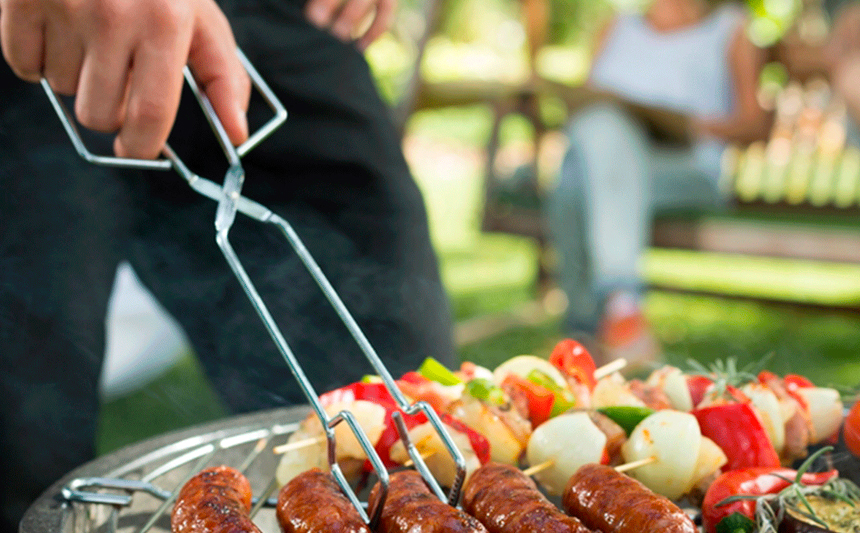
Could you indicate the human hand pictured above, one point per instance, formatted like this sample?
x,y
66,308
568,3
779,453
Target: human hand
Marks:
x,y
346,19
123,60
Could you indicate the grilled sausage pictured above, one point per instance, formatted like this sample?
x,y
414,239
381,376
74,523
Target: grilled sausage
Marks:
x,y
313,503
412,508
610,501
507,501
217,500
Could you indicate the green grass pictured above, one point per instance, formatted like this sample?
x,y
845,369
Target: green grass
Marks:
x,y
179,398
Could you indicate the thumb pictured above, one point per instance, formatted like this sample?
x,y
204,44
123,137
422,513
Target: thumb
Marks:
x,y
219,73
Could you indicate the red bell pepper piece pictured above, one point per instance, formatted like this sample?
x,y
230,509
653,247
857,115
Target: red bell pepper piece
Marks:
x,y
574,361
757,481
420,388
539,400
851,429
736,429
480,444
371,392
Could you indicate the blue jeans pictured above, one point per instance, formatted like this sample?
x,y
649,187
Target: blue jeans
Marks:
x,y
613,178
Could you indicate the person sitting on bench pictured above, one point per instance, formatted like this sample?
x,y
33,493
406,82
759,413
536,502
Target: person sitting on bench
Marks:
x,y
686,56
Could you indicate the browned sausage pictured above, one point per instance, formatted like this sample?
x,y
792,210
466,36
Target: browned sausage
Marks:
x,y
610,501
412,508
507,501
217,500
313,503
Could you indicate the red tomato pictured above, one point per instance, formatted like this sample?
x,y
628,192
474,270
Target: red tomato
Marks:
x,y
753,482
851,429
796,381
574,361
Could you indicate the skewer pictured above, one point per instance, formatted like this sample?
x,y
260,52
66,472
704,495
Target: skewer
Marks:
x,y
610,368
626,467
635,464
298,445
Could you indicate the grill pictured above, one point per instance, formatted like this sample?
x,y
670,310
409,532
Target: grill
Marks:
x,y
164,463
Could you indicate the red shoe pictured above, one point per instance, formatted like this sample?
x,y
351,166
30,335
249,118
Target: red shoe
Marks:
x,y
624,333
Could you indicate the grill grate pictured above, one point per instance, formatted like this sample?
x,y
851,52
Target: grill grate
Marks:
x,y
132,490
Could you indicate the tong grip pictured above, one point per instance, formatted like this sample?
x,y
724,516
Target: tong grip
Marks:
x,y
233,154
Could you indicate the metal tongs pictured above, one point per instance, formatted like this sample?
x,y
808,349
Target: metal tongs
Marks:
x,y
230,201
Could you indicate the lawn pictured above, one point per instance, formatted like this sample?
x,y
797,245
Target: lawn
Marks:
x,y
495,274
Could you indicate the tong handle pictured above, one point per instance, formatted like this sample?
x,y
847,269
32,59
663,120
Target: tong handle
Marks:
x,y
232,154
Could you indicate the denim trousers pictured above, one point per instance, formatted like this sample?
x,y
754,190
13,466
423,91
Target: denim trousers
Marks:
x,y
613,179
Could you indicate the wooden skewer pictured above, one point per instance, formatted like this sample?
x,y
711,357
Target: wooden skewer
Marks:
x,y
299,444
609,368
540,467
632,465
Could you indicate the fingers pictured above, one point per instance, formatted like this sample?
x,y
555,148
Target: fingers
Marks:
x,y
321,13
350,17
100,103
22,36
154,88
347,19
221,76
381,22
64,54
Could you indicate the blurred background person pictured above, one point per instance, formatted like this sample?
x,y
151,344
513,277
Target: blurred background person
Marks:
x,y
688,56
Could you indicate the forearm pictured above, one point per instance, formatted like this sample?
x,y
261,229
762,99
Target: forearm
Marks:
x,y
741,128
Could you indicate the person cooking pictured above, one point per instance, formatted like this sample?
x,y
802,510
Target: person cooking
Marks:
x,y
335,171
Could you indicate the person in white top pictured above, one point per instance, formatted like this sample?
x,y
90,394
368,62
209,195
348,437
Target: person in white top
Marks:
x,y
686,56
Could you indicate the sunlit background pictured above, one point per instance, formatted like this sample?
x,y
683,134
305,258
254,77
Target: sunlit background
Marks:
x,y
475,59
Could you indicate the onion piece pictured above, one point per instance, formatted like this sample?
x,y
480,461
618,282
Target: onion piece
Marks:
x,y
440,463
673,383
770,412
506,444
522,365
613,390
348,452
668,436
569,441
711,458
825,410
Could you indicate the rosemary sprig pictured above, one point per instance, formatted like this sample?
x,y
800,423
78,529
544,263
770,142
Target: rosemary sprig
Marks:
x,y
725,372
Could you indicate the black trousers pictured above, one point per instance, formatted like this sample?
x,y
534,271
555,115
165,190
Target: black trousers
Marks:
x,y
334,171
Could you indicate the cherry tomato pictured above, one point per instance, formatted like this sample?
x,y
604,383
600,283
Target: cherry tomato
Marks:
x,y
574,361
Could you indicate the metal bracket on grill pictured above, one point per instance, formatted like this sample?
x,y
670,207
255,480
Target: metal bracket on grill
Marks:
x,y
230,200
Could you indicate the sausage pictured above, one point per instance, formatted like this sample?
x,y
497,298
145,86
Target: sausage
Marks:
x,y
507,501
216,500
610,501
412,508
312,502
